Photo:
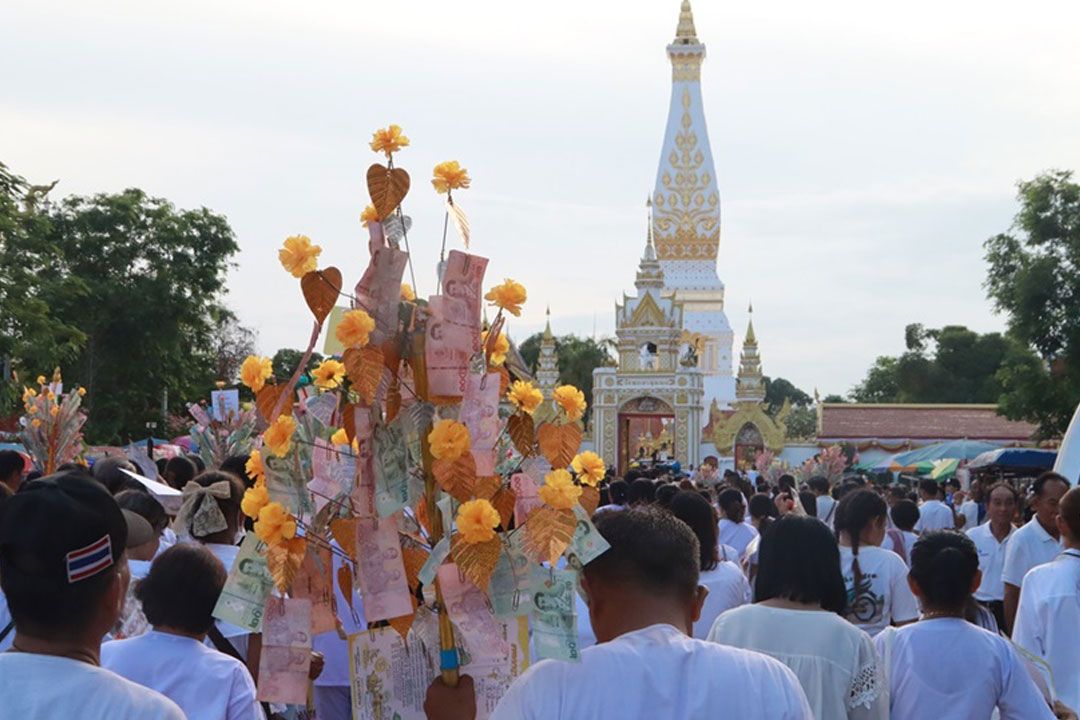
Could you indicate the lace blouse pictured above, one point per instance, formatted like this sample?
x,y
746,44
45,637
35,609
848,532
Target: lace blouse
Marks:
x,y
835,661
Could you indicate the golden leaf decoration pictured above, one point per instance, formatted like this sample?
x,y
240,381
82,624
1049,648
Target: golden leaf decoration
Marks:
x,y
345,583
348,420
413,559
284,561
559,443
267,399
590,498
457,477
387,188
548,533
476,560
404,623
487,486
504,501
321,289
522,433
344,531
422,515
504,380
365,367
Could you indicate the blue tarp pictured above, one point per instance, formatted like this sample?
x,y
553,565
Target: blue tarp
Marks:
x,y
1018,458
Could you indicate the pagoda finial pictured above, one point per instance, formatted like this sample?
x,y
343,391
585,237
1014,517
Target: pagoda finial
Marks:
x,y
547,328
685,34
751,340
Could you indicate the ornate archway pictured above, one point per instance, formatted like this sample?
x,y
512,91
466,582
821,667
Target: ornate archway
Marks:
x,y
646,429
748,443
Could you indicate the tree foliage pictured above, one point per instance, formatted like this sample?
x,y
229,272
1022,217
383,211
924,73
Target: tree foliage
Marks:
x,y
1034,278
780,390
123,292
578,357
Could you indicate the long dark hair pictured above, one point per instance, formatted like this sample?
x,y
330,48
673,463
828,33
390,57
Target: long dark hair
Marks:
x,y
855,511
799,560
943,564
697,512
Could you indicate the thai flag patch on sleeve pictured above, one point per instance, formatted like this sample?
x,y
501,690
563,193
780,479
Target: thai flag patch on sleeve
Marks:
x,y
90,560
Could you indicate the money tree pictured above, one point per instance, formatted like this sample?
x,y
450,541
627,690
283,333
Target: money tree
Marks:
x,y
417,469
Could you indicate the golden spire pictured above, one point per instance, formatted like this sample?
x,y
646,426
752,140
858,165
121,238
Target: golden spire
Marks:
x,y
685,34
750,338
547,329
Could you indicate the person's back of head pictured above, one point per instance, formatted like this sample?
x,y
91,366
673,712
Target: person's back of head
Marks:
x,y
761,506
786,482
211,514
648,575
179,471
905,514
237,465
665,493
697,512
62,565
109,471
818,485
1069,515
181,589
929,488
619,490
197,461
799,560
944,570
11,468
809,502
142,503
642,492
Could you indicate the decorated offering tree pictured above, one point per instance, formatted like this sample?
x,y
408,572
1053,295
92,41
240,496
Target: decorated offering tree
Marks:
x,y
416,468
52,426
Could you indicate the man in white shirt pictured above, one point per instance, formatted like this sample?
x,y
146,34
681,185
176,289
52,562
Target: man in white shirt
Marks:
x,y
64,573
826,505
644,598
969,508
933,513
991,540
1035,543
1049,610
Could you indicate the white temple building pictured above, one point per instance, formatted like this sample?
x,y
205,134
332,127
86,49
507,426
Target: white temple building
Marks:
x,y
674,340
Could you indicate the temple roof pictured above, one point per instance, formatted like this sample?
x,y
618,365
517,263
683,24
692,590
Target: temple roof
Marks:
x,y
854,421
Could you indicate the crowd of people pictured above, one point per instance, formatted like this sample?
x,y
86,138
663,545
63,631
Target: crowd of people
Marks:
x,y
720,596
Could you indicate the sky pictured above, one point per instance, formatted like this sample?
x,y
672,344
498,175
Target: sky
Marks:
x,y
864,151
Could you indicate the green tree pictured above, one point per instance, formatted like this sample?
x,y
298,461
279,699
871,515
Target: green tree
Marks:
x,y
834,398
150,280
802,423
881,384
1034,278
780,390
578,357
286,360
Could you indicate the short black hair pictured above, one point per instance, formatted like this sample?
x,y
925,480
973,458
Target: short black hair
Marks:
x,y
952,482
729,497
11,463
197,461
1049,476
182,587
650,550
109,472
237,465
179,471
905,514
929,486
665,493
144,505
697,512
619,490
943,564
761,506
809,575
641,491
818,484
786,482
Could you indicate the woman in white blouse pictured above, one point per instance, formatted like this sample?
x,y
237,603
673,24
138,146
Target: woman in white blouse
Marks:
x,y
795,618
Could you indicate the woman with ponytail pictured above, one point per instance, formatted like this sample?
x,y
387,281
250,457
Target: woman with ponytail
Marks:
x,y
944,574
876,580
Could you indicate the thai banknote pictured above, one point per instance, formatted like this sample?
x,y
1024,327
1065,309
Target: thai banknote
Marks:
x,y
391,473
480,414
481,634
554,619
247,586
526,496
379,289
313,582
381,570
587,543
453,329
286,651
363,494
511,581
434,560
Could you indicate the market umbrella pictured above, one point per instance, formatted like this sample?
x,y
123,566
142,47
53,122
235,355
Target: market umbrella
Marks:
x,y
951,450
944,469
1015,459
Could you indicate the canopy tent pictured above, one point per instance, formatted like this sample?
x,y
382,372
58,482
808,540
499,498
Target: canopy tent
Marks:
x,y
1015,460
944,469
925,460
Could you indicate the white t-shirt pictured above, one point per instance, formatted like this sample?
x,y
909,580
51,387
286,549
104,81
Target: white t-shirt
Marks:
x,y
656,672
826,509
1029,546
934,515
728,588
969,513
835,661
205,683
949,669
1047,621
883,597
737,535
991,561
45,686
335,650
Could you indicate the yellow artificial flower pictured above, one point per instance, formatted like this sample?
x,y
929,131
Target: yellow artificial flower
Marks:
x,y
50,395
407,293
82,392
388,140
55,410
32,409
255,371
355,328
329,374
254,467
559,490
28,394
571,400
589,467
278,437
255,499
40,379
275,524
368,215
35,423
499,348
510,296
525,396
477,520
449,176
340,437
298,256
449,440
